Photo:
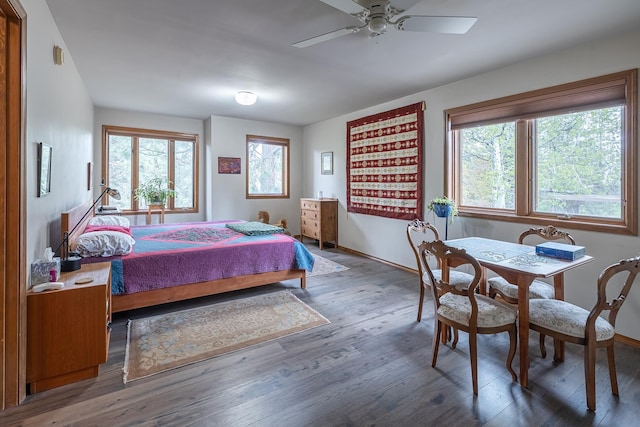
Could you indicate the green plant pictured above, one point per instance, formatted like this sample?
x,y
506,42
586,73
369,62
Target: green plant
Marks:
x,y
445,201
156,190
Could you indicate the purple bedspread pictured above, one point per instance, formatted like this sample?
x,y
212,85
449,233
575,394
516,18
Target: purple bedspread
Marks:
x,y
168,255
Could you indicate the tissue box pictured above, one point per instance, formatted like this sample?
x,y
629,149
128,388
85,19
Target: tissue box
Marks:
x,y
560,250
41,271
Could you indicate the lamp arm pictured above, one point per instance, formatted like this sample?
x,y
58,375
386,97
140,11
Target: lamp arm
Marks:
x,y
67,234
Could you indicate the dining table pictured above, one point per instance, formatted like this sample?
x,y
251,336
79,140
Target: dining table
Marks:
x,y
521,265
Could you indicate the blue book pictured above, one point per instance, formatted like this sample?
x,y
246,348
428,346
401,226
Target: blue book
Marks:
x,y
560,250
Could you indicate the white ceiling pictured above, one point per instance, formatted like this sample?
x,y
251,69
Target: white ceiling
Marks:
x,y
188,57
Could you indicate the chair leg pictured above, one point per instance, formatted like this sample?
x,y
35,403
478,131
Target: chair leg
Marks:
x,y
513,342
613,378
473,355
421,301
435,344
590,375
543,350
454,343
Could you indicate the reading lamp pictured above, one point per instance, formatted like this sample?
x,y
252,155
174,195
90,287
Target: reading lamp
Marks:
x,y
69,261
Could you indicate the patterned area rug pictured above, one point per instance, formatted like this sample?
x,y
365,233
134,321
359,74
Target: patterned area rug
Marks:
x,y
160,343
322,265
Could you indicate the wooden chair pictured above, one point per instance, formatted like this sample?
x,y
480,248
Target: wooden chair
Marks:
x,y
538,289
417,232
464,309
571,323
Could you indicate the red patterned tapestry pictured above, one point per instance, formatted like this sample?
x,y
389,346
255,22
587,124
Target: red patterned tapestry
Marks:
x,y
384,167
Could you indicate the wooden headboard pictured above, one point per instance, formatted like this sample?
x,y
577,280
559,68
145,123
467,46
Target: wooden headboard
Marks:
x,y
70,218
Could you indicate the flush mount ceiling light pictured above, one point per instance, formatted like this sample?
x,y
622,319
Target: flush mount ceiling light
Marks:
x,y
244,97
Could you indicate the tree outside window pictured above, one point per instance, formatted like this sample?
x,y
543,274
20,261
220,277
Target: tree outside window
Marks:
x,y
267,167
132,157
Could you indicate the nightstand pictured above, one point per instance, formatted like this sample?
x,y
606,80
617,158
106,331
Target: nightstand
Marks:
x,y
68,329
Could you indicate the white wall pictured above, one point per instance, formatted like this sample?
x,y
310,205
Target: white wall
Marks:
x,y
133,119
59,113
227,138
388,242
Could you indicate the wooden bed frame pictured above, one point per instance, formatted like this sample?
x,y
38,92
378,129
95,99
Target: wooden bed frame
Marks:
x,y
176,293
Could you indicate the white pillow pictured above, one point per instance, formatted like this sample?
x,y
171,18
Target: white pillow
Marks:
x,y
104,243
109,220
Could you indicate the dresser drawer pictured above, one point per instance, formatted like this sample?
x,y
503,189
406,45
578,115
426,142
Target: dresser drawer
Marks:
x,y
310,231
310,204
310,224
307,214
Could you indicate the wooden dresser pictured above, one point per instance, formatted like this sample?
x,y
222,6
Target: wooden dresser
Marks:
x,y
68,329
319,220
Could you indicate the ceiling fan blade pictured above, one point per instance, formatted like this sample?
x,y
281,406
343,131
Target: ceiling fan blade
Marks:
x,y
347,6
436,24
327,36
403,5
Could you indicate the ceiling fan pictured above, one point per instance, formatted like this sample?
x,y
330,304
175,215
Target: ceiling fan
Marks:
x,y
378,15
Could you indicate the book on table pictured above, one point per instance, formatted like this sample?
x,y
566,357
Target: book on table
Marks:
x,y
560,250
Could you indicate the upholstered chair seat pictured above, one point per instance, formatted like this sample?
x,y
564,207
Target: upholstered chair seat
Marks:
x,y
491,313
459,279
537,290
567,319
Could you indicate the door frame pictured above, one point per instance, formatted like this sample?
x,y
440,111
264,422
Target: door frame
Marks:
x,y
13,291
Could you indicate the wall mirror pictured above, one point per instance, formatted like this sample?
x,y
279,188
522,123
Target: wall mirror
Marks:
x,y
44,169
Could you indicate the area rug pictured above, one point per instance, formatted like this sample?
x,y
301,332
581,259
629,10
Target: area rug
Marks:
x,y
160,343
321,265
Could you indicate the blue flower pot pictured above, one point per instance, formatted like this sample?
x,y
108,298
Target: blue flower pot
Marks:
x,y
441,210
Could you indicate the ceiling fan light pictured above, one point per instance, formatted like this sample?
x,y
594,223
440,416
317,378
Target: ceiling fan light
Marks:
x,y
244,97
378,25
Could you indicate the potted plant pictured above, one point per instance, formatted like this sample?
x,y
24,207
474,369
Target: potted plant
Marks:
x,y
154,191
443,207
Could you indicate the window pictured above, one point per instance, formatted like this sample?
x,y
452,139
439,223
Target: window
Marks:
x,y
132,157
564,156
267,167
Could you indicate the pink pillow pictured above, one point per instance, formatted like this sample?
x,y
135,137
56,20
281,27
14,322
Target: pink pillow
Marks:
x,y
119,228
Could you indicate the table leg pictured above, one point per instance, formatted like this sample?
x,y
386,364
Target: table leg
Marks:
x,y
558,289
444,268
523,326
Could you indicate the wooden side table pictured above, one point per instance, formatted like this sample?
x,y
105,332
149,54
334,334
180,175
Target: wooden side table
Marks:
x,y
155,208
68,329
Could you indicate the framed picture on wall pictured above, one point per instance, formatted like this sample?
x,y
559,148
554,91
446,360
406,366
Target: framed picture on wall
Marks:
x,y
229,165
326,163
44,169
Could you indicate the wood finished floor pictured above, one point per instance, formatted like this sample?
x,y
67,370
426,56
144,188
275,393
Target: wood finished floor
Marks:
x,y
370,366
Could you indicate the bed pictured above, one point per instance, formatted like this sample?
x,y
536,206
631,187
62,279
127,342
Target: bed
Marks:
x,y
173,262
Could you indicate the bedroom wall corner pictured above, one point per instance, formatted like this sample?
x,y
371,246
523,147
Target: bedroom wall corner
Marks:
x,y
228,201
59,112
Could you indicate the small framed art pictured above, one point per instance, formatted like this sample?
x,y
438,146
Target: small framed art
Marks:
x,y
44,169
326,163
229,165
